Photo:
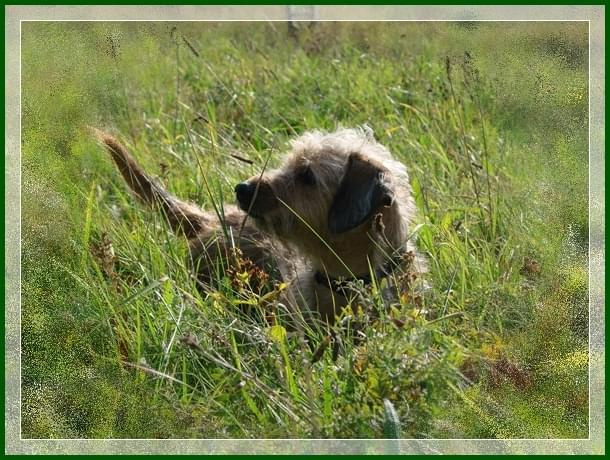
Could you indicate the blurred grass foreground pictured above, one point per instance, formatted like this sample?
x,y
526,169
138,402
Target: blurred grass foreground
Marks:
x,y
491,120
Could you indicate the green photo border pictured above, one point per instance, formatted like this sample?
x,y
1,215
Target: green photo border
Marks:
x,y
595,15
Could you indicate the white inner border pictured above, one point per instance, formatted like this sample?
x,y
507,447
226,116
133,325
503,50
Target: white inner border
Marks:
x,y
595,15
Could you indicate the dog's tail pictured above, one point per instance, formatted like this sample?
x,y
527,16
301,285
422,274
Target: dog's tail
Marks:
x,y
183,217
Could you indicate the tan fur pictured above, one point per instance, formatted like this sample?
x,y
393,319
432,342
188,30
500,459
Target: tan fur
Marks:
x,y
288,219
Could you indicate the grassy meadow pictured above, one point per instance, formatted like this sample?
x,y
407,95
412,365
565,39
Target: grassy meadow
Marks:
x,y
492,123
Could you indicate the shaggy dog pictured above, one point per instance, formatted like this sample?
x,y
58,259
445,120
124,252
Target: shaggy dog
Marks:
x,y
338,210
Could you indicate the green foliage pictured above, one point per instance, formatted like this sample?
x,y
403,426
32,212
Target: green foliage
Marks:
x,y
492,125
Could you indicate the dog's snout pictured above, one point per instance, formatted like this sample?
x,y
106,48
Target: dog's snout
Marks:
x,y
244,192
255,197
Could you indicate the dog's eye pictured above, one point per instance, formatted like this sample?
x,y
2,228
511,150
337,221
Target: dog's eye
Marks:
x,y
306,176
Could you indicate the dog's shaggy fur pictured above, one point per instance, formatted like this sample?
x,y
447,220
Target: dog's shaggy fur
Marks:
x,y
339,208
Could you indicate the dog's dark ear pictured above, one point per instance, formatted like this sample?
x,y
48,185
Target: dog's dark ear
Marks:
x,y
363,190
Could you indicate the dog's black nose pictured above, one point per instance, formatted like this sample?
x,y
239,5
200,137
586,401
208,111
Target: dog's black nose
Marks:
x,y
244,192
255,197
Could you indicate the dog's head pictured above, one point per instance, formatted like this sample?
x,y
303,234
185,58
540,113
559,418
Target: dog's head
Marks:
x,y
328,186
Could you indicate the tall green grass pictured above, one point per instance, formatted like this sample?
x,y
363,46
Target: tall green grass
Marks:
x,y
491,122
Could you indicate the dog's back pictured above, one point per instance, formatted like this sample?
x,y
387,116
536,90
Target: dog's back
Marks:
x,y
209,237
